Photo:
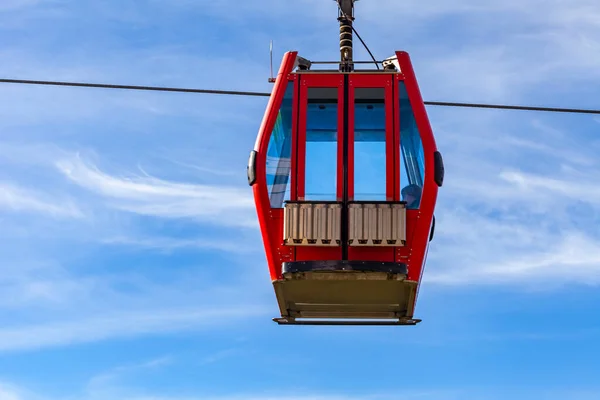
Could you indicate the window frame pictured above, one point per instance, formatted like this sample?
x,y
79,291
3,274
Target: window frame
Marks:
x,y
415,149
287,142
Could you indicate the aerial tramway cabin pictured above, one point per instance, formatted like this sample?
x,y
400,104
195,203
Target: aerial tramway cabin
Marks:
x,y
345,173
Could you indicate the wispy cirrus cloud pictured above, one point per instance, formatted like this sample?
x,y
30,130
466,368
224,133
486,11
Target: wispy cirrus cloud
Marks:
x,y
170,244
100,388
9,392
105,379
148,195
518,207
12,392
494,52
92,279
119,325
18,199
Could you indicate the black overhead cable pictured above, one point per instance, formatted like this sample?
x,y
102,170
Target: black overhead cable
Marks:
x,y
132,87
265,94
507,107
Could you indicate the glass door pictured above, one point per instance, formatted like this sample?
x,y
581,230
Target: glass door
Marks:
x,y
345,146
372,140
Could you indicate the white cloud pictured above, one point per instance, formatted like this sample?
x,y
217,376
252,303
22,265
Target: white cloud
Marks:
x,y
47,305
27,287
121,325
493,51
450,393
17,199
518,207
8,394
172,244
555,260
98,391
102,380
151,196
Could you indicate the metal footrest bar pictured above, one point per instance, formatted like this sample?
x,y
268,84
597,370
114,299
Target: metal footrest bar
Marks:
x,y
292,321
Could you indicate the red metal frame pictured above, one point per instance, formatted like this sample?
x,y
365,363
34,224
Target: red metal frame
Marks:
x,y
373,81
315,81
418,221
271,220
307,81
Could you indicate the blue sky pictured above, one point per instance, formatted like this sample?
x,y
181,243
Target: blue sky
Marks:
x,y
132,267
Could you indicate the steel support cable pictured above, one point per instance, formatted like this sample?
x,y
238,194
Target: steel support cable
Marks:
x,y
134,87
265,94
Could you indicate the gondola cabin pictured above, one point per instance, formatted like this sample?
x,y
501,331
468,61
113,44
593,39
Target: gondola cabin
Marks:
x,y
345,174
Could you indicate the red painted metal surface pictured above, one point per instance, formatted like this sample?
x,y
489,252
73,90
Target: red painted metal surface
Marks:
x,y
299,168
419,221
271,220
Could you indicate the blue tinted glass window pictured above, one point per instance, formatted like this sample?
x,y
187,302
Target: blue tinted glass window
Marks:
x,y
369,144
279,153
412,163
321,144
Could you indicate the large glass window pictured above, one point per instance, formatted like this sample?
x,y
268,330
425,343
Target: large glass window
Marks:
x,y
280,151
321,144
369,144
412,163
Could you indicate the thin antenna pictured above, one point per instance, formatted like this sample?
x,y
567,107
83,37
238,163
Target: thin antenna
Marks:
x,y
271,79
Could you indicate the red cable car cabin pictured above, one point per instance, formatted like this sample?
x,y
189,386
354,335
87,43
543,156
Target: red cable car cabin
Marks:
x,y
345,174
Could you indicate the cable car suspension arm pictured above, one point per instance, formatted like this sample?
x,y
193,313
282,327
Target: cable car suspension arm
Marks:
x,y
346,19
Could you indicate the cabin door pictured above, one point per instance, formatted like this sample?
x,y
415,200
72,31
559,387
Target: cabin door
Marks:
x,y
345,147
